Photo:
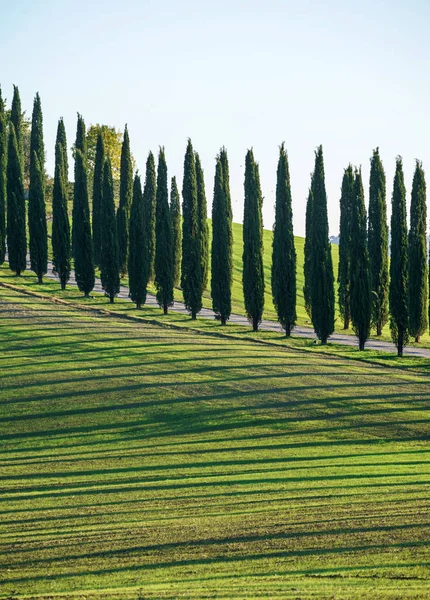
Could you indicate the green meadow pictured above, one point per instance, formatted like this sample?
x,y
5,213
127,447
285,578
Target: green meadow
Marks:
x,y
158,458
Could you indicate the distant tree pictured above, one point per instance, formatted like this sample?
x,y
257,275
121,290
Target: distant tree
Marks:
x,y
222,264
283,250
82,242
109,259
163,239
125,197
175,216
17,120
36,197
113,141
97,199
344,267
202,209
149,215
61,249
3,163
137,261
322,286
253,274
398,293
16,232
307,265
191,273
418,271
361,308
378,242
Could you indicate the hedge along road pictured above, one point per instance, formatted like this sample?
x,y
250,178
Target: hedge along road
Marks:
x,y
300,331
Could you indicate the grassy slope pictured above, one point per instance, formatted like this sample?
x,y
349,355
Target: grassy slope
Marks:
x,y
141,463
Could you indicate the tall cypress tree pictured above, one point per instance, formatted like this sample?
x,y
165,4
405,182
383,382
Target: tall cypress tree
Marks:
x,y
222,264
191,273
17,122
149,215
36,196
125,197
361,308
202,208
322,286
3,163
61,249
307,264
81,232
378,242
137,261
226,179
398,293
418,272
175,215
163,240
109,258
16,233
283,250
344,267
97,198
253,274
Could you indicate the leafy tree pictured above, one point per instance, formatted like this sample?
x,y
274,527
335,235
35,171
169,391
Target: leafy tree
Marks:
x,y
378,242
253,274
61,249
125,197
17,120
191,273
163,239
109,258
3,163
149,214
36,197
398,292
361,310
307,265
283,250
418,272
344,267
137,259
81,231
222,264
175,216
322,286
97,199
16,233
202,209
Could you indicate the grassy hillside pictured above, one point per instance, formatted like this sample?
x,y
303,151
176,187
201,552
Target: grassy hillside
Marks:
x,y
142,463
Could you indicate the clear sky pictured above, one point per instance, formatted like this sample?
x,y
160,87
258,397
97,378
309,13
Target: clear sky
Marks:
x,y
239,73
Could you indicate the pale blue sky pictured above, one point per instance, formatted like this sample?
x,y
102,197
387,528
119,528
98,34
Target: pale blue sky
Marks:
x,y
349,75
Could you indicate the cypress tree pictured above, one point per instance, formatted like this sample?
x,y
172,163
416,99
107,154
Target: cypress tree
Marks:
x,y
175,216
109,258
322,285
36,195
16,233
344,267
149,214
97,198
378,242
81,232
307,264
283,250
3,163
62,140
361,309
226,179
61,249
125,197
398,293
191,272
163,239
137,261
202,209
221,266
16,120
253,274
418,272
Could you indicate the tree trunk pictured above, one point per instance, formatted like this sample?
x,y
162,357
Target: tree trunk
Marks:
x,y
378,328
417,339
86,294
194,316
111,299
346,322
255,324
165,309
138,305
40,279
63,284
18,273
223,320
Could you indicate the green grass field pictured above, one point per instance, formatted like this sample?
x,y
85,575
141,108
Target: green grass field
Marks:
x,y
140,460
